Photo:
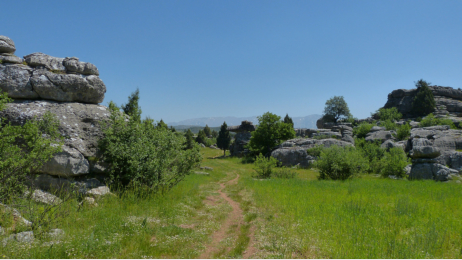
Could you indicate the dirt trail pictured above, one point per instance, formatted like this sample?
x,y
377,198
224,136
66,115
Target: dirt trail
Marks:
x,y
234,218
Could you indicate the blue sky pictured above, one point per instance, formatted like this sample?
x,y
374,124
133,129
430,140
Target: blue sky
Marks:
x,y
243,58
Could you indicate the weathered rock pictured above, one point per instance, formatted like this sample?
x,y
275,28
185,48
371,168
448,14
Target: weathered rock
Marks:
x,y
47,182
99,191
431,171
56,234
73,65
455,160
241,139
326,135
293,152
424,152
377,128
206,168
44,197
380,135
68,163
424,160
388,144
89,201
10,59
6,45
42,60
245,126
79,123
26,237
15,80
68,87
348,138
201,173
292,156
321,124
407,169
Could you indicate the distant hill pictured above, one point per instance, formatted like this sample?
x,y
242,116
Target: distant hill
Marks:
x,y
194,128
299,122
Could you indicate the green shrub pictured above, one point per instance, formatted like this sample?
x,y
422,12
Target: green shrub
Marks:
x,y
24,149
403,132
391,114
315,151
388,124
142,155
264,166
431,120
340,163
372,152
393,163
362,129
320,137
210,141
284,173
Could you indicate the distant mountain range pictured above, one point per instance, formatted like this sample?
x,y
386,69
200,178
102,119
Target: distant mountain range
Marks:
x,y
299,122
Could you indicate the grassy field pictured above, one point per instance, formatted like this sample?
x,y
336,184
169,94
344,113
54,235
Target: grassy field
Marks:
x,y
367,217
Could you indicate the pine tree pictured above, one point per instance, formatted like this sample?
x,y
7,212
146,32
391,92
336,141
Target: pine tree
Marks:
x,y
424,101
172,129
201,138
288,120
189,139
224,138
214,134
132,108
207,131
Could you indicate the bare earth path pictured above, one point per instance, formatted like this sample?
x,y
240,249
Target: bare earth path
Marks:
x,y
234,220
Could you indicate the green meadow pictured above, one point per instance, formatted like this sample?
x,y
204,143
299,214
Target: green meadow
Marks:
x,y
366,217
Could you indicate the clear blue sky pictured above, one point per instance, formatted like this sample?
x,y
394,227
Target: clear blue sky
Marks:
x,y
243,58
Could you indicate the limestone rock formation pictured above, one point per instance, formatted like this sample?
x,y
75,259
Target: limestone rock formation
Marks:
x,y
242,138
293,152
40,76
447,101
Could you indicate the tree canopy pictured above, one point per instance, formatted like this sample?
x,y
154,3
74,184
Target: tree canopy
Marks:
x,y
336,108
424,101
132,108
207,131
288,120
271,131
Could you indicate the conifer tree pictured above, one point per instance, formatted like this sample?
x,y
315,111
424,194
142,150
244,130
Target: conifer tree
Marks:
x,y
132,108
172,129
288,120
161,124
424,101
201,138
214,134
189,139
207,131
224,138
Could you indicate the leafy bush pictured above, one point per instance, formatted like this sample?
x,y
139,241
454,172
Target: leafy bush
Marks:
x,y
362,129
431,120
403,131
388,124
393,163
284,173
372,152
315,151
340,163
424,101
391,114
24,149
336,109
210,141
264,166
270,132
142,155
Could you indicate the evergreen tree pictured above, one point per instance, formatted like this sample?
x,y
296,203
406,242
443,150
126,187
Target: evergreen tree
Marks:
x,y
132,108
288,120
224,138
189,139
172,129
161,124
214,134
207,131
424,101
201,137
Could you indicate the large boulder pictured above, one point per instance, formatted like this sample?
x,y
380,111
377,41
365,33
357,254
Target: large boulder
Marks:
x,y
424,152
6,45
68,163
379,135
293,152
431,171
51,78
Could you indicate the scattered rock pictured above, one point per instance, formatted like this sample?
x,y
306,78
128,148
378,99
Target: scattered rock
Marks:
x,y
206,168
17,216
202,173
56,234
97,192
380,135
26,237
10,59
44,197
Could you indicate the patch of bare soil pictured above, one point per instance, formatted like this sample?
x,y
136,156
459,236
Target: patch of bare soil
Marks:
x,y
233,221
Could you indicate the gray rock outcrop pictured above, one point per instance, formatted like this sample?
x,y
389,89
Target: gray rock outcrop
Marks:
x,y
241,139
379,135
6,45
40,76
293,152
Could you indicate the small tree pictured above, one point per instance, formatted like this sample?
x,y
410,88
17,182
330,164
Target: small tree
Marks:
x,y
201,137
207,131
336,108
214,134
270,132
391,114
172,129
224,138
288,120
132,108
424,101
189,144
